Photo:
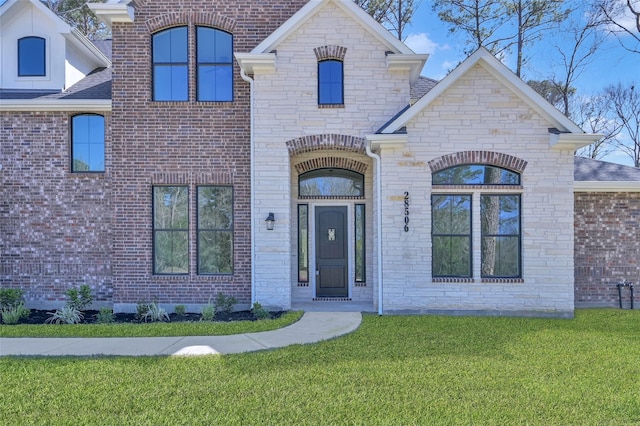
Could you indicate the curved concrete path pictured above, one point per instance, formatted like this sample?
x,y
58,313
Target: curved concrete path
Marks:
x,y
312,327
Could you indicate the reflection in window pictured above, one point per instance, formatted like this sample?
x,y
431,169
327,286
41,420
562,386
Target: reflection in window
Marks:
x,y
31,57
451,235
474,174
87,143
500,217
215,65
303,243
360,243
330,82
170,230
331,183
170,65
215,230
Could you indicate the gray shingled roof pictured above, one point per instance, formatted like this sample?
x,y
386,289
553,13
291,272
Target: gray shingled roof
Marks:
x,y
587,169
104,46
421,87
96,85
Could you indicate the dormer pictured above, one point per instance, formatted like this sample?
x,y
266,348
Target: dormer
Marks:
x,y
41,52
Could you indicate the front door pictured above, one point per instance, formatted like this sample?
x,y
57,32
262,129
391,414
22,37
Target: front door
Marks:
x,y
331,252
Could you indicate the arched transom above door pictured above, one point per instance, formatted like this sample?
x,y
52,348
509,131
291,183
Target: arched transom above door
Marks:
x,y
325,142
331,163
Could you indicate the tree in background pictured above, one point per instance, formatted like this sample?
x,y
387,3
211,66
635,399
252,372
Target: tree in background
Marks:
x,y
624,102
622,18
394,15
593,115
77,14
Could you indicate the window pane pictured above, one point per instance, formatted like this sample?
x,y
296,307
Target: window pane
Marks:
x,y
303,243
214,46
451,235
500,220
215,83
360,242
215,207
171,207
331,183
171,252
87,143
330,82
451,214
31,57
451,256
170,83
215,252
474,174
170,46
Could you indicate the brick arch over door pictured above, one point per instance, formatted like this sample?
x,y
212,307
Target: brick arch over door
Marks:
x,y
331,163
196,18
498,159
326,141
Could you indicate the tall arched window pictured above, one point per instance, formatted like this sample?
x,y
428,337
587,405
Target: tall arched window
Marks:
x,y
214,56
453,222
31,57
171,65
334,183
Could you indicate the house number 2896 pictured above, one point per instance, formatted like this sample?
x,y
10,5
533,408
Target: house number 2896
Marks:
x,y
406,212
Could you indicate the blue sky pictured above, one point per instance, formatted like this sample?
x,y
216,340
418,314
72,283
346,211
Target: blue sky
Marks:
x,y
613,64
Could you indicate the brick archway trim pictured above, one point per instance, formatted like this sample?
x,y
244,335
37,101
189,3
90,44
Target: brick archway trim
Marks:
x,y
331,162
326,141
330,52
196,18
498,159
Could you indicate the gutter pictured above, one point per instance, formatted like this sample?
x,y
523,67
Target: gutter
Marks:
x,y
378,191
249,80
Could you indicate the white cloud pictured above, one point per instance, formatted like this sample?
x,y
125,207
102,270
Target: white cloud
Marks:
x,y
421,43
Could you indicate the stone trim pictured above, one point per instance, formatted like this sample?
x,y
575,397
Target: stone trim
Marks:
x,y
502,280
360,284
324,53
478,157
452,280
326,141
331,163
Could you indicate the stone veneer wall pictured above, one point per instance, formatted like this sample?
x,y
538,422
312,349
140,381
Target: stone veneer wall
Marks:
x,y
181,143
55,226
607,247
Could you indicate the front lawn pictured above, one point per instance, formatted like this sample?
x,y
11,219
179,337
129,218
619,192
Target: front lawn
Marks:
x,y
394,370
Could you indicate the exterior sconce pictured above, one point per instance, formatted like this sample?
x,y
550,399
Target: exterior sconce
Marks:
x,y
270,220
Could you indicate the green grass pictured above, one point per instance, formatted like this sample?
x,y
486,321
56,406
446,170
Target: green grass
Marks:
x,y
391,371
156,329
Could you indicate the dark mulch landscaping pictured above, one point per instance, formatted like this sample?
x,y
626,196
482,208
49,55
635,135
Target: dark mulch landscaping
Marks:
x,y
40,316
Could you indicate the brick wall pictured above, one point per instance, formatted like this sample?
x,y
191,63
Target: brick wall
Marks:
x,y
187,143
607,247
54,225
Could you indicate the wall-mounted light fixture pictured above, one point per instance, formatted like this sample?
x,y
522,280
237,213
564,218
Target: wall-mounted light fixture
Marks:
x,y
270,220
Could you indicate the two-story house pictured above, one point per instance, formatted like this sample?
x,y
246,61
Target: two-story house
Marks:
x,y
290,152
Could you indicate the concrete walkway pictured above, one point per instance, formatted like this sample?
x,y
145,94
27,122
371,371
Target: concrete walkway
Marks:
x,y
312,327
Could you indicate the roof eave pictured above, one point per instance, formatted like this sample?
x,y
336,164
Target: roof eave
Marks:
x,y
572,141
412,62
378,140
606,186
256,62
110,13
41,105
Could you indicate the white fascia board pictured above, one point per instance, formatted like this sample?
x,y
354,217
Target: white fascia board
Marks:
x,y
256,62
378,140
113,12
84,44
33,105
412,62
606,186
572,141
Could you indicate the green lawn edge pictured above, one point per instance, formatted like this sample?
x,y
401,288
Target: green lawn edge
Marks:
x,y
156,329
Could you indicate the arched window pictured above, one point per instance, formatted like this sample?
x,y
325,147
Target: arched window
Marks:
x,y
31,57
214,55
170,65
331,183
499,223
330,82
87,143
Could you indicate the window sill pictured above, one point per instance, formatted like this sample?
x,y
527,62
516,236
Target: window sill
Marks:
x,y
330,106
452,280
502,280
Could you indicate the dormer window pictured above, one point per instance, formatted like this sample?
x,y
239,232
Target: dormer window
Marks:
x,y
330,82
170,65
31,57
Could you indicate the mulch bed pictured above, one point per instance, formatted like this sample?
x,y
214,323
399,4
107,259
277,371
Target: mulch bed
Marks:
x,y
40,316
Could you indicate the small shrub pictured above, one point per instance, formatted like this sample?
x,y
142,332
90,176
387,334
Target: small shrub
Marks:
x,y
79,298
155,314
225,303
105,316
208,312
13,314
180,310
10,297
141,310
66,315
259,312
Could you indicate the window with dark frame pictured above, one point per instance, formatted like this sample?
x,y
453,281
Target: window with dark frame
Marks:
x,y
87,143
214,57
331,183
500,224
215,230
330,82
451,235
32,57
303,243
170,230
170,65
360,244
